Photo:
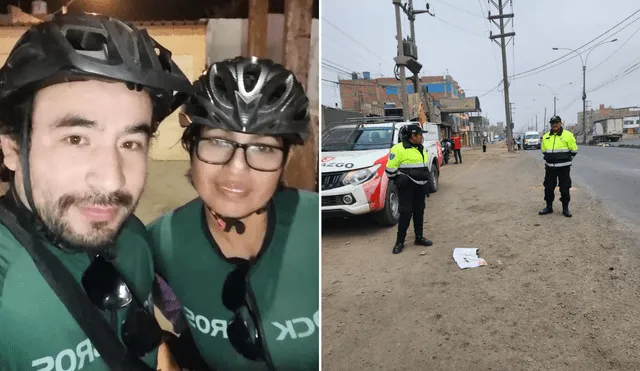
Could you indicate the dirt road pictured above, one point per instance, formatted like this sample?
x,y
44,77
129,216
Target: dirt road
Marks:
x,y
558,293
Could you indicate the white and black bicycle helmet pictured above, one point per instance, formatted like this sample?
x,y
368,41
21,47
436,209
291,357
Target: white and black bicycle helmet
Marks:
x,y
76,47
251,95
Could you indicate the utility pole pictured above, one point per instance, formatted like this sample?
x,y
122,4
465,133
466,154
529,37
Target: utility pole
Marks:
x,y
412,19
403,80
536,122
505,78
409,61
584,103
511,111
544,123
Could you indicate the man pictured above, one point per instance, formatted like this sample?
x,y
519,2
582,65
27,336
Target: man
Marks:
x,y
558,148
80,98
484,144
408,168
456,148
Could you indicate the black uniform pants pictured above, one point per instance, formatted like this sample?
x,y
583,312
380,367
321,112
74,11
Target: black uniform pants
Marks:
x,y
412,202
553,176
458,155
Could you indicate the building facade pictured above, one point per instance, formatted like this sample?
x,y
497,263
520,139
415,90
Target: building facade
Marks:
x,y
373,96
604,113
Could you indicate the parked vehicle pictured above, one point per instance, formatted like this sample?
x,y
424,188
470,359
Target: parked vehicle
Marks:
x,y
607,130
354,155
531,140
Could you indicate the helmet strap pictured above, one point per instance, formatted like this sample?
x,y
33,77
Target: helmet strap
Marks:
x,y
227,223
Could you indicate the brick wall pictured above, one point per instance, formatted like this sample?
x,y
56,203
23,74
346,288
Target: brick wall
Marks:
x,y
356,94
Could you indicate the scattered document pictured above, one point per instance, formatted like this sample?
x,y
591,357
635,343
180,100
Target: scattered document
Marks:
x,y
467,258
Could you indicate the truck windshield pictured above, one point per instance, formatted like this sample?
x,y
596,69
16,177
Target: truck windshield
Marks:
x,y
357,138
532,136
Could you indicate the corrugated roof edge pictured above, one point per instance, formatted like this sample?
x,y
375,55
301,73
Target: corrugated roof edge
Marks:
x,y
203,22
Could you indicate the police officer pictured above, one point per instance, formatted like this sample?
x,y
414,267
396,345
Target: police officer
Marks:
x,y
558,148
408,168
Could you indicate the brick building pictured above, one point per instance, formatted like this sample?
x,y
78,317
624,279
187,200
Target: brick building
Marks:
x,y
604,113
358,94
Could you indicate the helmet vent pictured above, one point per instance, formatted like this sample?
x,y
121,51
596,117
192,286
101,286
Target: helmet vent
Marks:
x,y
250,76
220,86
277,93
86,41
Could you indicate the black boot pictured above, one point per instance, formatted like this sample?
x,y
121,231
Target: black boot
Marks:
x,y
546,210
421,241
565,211
397,249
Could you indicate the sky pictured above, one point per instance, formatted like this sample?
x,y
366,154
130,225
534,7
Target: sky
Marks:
x,y
457,40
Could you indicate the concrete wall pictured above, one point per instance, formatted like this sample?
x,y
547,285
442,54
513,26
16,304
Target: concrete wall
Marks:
x,y
196,46
187,42
227,38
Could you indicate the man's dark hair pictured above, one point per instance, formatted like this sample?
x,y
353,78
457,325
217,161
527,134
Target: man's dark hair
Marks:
x,y
15,119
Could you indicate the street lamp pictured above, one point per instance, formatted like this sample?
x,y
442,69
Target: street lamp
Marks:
x,y
555,94
584,83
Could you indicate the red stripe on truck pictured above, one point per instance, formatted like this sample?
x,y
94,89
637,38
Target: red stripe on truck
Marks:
x,y
376,189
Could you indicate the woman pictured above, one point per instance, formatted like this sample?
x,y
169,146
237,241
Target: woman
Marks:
x,y
242,258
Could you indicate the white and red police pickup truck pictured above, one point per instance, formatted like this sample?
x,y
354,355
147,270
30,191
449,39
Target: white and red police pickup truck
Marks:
x,y
354,155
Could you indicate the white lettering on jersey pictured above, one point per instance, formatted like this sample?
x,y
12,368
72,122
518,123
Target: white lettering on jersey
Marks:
x,y
68,359
295,328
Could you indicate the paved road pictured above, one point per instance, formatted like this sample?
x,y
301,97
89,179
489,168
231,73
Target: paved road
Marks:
x,y
628,141
612,174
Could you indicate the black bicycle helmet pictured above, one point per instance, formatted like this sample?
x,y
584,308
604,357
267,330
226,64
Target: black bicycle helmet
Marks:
x,y
251,95
76,47
82,46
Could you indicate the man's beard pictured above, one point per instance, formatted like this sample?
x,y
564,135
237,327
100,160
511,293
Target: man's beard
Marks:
x,y
100,237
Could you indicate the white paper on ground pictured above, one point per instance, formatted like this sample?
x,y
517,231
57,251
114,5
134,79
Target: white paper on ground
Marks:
x,y
467,258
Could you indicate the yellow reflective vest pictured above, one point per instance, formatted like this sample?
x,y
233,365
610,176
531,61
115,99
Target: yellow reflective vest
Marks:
x,y
410,160
559,148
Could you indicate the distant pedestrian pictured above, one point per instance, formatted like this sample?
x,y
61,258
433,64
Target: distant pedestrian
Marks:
x,y
558,148
456,148
484,144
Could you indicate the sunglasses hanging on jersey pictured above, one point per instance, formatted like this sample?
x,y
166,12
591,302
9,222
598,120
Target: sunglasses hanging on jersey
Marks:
x,y
108,291
244,330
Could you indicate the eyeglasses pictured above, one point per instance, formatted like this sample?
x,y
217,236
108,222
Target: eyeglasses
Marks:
x,y
261,157
243,331
108,291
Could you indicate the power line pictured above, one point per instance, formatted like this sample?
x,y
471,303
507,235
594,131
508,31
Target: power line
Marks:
x,y
346,69
566,60
613,79
487,25
344,47
615,51
513,44
528,72
496,87
459,9
335,69
354,40
460,28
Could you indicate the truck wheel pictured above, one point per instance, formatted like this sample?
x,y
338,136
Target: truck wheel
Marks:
x,y
433,179
390,215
